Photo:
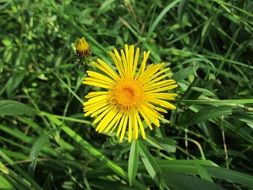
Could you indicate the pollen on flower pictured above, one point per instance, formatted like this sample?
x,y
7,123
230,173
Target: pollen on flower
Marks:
x,y
127,94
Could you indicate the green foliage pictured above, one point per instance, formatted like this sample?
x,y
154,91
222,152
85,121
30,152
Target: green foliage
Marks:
x,y
47,143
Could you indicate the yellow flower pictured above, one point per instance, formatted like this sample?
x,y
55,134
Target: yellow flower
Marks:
x,y
132,97
82,47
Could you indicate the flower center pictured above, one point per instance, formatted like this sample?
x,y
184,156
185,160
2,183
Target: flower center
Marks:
x,y
127,94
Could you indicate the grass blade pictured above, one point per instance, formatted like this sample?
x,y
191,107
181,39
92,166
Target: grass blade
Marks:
x,y
160,17
182,181
150,164
133,161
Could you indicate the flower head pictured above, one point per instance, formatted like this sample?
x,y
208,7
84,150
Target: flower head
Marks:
x,y
132,96
82,47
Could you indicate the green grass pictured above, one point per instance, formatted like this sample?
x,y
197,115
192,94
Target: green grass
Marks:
x,y
47,143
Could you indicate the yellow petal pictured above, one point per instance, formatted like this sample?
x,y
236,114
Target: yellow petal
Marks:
x,y
117,61
135,125
97,99
165,96
123,131
104,123
164,88
121,125
100,77
96,110
146,119
144,61
160,84
140,126
130,60
94,107
163,103
124,61
101,65
97,83
115,119
145,76
136,60
157,74
120,61
152,114
130,127
94,94
102,115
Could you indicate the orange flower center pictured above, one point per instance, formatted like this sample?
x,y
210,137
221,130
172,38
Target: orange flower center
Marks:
x,y
127,94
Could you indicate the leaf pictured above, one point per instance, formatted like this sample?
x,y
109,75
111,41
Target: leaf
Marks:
x,y
14,82
36,148
105,6
203,173
230,175
14,154
11,107
160,16
150,164
189,167
180,10
3,168
183,73
108,184
207,113
182,182
206,27
167,144
133,161
14,132
231,102
20,173
4,184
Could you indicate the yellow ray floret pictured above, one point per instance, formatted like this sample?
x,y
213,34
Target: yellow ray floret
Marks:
x,y
133,96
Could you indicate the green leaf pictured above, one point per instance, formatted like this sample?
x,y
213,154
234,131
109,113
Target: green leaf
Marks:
x,y
28,182
230,175
205,30
16,133
105,6
4,184
169,145
3,168
36,148
182,182
133,161
160,16
183,73
11,107
203,173
14,154
150,164
180,10
14,82
207,113
189,167
108,184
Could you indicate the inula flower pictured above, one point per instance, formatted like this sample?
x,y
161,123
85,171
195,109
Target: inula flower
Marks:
x,y
131,97
82,47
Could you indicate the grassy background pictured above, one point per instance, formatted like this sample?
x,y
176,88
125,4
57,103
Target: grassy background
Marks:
x,y
46,143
